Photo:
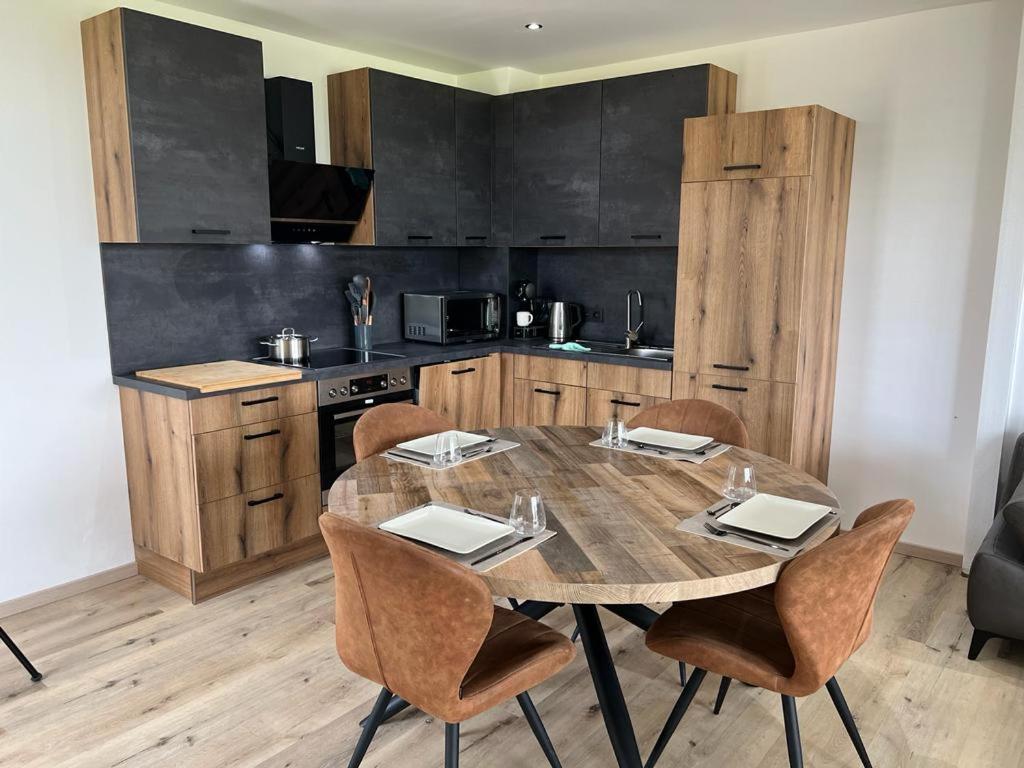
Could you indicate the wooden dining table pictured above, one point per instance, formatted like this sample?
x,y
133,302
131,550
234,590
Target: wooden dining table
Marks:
x,y
617,547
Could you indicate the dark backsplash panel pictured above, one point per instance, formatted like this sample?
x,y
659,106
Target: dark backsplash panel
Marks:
x,y
598,278
180,304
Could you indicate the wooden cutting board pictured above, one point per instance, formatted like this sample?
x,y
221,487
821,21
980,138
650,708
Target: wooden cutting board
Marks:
x,y
224,374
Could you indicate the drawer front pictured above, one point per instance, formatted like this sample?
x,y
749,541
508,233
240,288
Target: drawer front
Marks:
x,y
467,392
625,378
244,526
225,411
545,403
603,404
553,369
230,462
766,408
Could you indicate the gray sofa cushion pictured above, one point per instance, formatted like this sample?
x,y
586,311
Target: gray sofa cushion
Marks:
x,y
1014,514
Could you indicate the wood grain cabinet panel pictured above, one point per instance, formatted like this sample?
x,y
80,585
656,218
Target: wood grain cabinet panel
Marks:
x,y
766,408
558,370
468,392
241,527
628,378
738,283
238,408
231,462
540,403
603,404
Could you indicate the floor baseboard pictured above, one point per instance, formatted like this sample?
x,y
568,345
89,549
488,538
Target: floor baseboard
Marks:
x,y
68,589
927,553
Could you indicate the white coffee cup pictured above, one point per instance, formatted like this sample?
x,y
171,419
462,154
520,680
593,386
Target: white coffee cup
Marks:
x,y
523,319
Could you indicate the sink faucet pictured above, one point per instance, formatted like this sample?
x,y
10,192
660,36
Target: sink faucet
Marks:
x,y
633,334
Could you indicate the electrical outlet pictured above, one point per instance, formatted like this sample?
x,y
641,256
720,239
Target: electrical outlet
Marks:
x,y
596,314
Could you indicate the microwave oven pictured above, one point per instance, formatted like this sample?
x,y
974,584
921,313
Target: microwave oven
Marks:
x,y
451,317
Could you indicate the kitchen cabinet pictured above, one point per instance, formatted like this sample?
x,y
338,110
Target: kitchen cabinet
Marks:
x,y
178,131
473,166
404,128
641,148
467,392
604,404
759,278
653,382
538,403
503,169
557,165
557,369
218,499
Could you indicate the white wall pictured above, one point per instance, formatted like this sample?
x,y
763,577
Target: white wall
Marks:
x,y
932,94
64,499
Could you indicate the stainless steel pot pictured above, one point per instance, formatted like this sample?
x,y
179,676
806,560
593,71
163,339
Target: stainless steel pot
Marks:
x,y
288,347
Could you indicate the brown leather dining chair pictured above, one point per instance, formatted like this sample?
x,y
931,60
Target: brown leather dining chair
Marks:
x,y
426,630
695,417
792,637
389,424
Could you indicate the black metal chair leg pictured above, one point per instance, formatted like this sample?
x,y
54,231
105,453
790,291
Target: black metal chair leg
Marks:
x,y
575,633
796,752
451,745
376,718
537,726
32,671
847,717
978,640
682,673
689,691
723,688
396,705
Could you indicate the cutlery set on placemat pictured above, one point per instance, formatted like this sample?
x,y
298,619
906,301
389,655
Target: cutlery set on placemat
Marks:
x,y
447,449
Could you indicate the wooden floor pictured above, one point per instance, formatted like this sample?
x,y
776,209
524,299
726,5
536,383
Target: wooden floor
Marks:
x,y
135,676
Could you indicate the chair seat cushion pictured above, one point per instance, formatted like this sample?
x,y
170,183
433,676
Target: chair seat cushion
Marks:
x,y
737,636
1014,515
517,654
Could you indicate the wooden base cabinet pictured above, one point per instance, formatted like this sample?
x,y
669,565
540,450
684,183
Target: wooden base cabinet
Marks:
x,y
540,403
763,217
467,392
604,404
218,498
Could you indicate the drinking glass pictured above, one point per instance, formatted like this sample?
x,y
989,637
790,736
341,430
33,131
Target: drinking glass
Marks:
x,y
614,435
528,516
740,483
447,449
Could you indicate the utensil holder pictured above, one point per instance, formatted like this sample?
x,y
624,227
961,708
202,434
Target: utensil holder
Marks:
x,y
364,336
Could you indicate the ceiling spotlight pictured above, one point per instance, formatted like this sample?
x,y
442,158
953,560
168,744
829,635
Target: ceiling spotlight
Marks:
x,y
534,25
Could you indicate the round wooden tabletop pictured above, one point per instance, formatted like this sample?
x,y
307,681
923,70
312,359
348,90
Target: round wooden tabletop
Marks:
x,y
615,513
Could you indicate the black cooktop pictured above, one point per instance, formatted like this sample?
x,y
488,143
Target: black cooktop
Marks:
x,y
332,357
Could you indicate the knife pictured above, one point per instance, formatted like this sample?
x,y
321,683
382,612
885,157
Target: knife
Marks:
x,y
498,551
722,532
400,454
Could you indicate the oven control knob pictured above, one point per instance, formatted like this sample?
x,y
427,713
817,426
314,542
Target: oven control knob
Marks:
x,y
344,391
332,392
393,381
401,380
355,389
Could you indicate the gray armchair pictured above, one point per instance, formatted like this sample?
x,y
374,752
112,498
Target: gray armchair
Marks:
x,y
995,587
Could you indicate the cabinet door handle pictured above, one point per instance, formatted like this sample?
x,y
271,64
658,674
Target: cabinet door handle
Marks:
x,y
724,367
646,237
476,237
261,401
728,388
262,434
211,231
257,502
616,401
552,237
540,391
742,167
420,237
462,371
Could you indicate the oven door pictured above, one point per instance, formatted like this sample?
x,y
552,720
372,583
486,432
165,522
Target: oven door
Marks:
x,y
336,423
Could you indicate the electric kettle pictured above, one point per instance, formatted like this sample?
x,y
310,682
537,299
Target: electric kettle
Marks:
x,y
564,319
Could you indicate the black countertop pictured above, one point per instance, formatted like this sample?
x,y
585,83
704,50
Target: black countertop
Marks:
x,y
413,354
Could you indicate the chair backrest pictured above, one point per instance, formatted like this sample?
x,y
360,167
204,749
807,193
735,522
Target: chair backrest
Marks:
x,y
825,597
695,417
388,425
406,618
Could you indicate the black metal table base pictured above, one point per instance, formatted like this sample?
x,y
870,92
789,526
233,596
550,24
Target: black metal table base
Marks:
x,y
32,671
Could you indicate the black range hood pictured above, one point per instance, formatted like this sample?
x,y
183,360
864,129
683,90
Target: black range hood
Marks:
x,y
315,203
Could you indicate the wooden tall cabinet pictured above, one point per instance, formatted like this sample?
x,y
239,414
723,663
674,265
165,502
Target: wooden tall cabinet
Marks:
x,y
763,216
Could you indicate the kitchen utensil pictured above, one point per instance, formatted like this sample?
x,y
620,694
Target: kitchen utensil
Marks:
x,y
775,516
665,439
722,532
564,320
447,527
524,319
502,549
221,375
288,346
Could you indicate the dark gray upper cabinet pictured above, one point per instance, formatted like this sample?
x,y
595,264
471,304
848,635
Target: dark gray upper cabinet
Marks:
x,y
197,129
557,165
413,141
642,151
502,172
473,162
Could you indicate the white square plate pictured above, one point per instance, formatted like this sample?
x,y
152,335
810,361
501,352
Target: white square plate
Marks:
x,y
774,516
426,445
665,439
447,527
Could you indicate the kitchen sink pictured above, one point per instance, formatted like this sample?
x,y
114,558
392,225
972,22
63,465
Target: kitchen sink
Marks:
x,y
619,350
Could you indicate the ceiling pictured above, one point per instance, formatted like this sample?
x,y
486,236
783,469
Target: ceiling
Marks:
x,y
460,36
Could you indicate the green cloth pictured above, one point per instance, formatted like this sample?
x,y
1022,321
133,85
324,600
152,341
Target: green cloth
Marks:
x,y
569,346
